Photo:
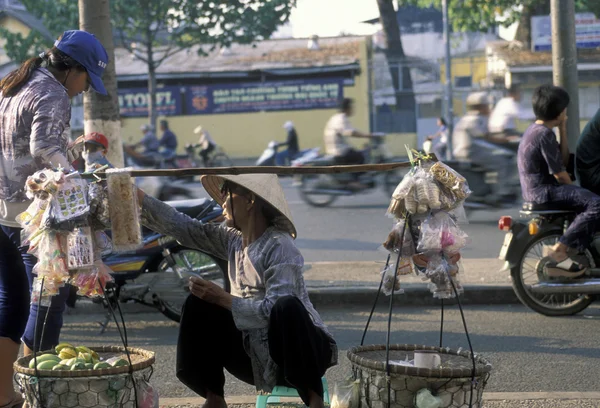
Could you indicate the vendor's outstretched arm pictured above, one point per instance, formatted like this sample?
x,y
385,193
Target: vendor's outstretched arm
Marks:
x,y
162,218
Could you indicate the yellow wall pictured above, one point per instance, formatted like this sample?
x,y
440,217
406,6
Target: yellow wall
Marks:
x,y
247,134
474,66
14,26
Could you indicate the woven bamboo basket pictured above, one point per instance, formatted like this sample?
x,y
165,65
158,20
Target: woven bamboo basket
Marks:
x,y
451,382
105,388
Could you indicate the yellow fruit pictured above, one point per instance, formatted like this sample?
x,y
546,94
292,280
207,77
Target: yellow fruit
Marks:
x,y
47,365
85,356
83,349
120,363
67,352
61,346
42,358
95,355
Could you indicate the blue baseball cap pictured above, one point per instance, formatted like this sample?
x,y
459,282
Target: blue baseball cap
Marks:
x,y
85,48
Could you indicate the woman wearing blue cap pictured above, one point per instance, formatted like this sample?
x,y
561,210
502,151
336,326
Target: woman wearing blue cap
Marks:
x,y
35,113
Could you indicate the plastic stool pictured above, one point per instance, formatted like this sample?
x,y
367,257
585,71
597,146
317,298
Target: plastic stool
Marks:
x,y
280,391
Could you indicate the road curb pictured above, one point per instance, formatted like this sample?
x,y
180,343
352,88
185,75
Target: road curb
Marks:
x,y
488,396
414,295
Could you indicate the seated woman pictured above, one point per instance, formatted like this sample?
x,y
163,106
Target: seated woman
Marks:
x,y
542,162
266,332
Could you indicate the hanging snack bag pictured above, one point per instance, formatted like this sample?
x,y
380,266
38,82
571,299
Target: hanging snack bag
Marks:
x,y
124,211
80,248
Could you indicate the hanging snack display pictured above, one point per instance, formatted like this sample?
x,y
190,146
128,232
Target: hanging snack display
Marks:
x,y
426,207
125,217
60,227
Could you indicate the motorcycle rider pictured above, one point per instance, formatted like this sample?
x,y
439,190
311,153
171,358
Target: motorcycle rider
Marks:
x,y
542,165
471,141
291,142
206,143
337,129
587,157
502,124
168,141
149,140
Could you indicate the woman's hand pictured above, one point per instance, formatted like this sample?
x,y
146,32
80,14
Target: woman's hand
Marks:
x,y
210,292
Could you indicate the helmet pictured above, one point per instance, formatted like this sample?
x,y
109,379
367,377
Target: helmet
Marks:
x,y
478,99
198,130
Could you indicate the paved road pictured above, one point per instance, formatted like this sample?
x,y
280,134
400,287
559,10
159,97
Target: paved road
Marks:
x,y
354,227
529,352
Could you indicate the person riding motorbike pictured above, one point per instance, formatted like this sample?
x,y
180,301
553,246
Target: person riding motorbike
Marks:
x,y
206,143
587,155
168,141
336,130
289,154
471,142
502,126
542,163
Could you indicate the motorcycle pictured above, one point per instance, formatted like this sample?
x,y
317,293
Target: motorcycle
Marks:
x,y
268,157
321,190
158,187
481,182
156,275
216,158
523,251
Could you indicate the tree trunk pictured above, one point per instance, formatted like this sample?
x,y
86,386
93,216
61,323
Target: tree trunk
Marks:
x,y
101,112
399,69
523,33
151,82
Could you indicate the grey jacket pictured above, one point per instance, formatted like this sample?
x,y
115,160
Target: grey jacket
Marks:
x,y
269,268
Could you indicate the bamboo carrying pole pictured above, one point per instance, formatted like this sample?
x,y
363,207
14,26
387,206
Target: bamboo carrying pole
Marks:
x,y
262,170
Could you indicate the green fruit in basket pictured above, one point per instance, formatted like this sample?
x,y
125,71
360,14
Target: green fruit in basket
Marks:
x,y
47,365
67,353
68,362
60,367
95,360
85,356
78,366
117,362
42,358
89,366
101,365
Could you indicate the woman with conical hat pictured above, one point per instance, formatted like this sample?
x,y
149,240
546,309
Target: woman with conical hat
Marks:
x,y
266,332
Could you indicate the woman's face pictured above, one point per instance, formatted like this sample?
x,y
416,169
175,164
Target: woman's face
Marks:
x,y
235,208
77,82
439,122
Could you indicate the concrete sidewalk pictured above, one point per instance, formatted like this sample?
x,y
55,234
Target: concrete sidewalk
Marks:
x,y
491,400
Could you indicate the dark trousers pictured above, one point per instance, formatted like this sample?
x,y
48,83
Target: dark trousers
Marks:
x,y
210,342
17,318
587,205
352,156
205,152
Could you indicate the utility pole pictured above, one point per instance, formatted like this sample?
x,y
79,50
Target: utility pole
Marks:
x,y
564,61
101,112
448,89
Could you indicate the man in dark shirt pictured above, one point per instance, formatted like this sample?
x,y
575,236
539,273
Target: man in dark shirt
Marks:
x,y
292,145
587,157
168,140
544,179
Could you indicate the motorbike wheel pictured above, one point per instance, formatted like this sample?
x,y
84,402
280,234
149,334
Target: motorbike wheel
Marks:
x,y
174,291
531,271
221,160
309,183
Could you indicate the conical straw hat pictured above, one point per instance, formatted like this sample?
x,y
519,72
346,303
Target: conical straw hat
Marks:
x,y
265,186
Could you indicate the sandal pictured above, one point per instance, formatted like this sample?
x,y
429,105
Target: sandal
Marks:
x,y
566,268
17,402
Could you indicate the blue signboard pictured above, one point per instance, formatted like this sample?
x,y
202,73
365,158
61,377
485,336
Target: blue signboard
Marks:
x,y
587,32
134,101
265,96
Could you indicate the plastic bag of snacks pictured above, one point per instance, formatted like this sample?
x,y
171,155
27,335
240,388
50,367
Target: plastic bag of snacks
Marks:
x,y
451,181
404,267
124,216
80,247
92,281
417,193
439,232
69,205
395,243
